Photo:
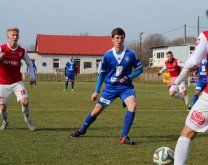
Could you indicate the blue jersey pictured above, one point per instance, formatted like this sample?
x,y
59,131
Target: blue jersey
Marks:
x,y
201,71
70,67
116,66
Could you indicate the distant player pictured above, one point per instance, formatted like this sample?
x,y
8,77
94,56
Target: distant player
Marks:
x,y
202,81
116,71
11,55
70,72
197,119
34,70
174,68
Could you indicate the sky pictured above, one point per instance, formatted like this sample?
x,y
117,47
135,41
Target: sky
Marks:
x,y
99,17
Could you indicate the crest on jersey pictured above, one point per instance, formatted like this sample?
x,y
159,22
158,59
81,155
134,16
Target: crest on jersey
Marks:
x,y
127,59
20,54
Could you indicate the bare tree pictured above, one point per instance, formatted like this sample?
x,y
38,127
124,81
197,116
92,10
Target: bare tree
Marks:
x,y
179,41
153,40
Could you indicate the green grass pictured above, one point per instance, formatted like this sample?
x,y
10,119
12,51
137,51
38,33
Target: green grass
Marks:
x,y
158,122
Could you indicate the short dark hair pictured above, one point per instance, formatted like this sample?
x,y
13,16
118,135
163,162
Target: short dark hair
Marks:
x,y
169,52
117,31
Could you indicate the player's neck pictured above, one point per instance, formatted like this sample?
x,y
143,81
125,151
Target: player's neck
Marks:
x,y
12,45
119,49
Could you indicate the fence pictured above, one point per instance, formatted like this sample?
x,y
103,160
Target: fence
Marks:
x,y
145,77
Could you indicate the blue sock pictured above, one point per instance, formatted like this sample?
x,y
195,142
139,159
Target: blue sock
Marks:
x,y
88,121
72,85
66,85
129,118
196,97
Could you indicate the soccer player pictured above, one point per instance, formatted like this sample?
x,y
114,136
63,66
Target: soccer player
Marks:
x,y
174,68
70,72
11,55
116,71
202,81
34,70
197,119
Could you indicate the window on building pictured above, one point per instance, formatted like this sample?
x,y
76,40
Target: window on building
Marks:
x,y
192,48
44,64
55,63
87,65
97,63
162,54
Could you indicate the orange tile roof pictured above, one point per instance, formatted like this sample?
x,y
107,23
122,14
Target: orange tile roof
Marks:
x,y
75,45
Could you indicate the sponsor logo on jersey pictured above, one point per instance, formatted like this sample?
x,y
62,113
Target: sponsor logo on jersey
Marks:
x,y
198,117
10,62
106,101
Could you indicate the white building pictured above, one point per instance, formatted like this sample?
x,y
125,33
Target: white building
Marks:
x,y
52,52
181,52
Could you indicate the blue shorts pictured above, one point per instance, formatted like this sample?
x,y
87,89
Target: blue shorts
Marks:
x,y
109,95
70,76
201,84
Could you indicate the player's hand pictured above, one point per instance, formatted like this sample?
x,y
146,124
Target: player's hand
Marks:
x,y
94,96
158,74
171,82
2,54
124,79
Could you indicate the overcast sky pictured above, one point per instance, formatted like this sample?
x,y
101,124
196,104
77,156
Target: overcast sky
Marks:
x,y
99,17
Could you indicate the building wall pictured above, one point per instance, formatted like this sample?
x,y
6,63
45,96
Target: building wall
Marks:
x,y
179,52
40,60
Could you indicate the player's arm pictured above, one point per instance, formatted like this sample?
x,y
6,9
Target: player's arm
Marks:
x,y
162,70
2,54
181,63
28,62
133,75
195,59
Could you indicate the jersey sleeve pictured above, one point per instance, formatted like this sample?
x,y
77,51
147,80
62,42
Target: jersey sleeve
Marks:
x,y
163,69
104,64
136,62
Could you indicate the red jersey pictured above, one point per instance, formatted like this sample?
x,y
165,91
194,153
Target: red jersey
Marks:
x,y
173,67
10,64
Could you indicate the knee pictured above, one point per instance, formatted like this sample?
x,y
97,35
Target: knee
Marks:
x,y
3,107
171,93
196,92
188,132
24,102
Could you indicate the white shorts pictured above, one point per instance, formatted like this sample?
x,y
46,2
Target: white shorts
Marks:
x,y
178,88
6,90
197,118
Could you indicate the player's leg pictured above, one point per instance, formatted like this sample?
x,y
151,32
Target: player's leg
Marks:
x,y
183,145
173,92
196,121
88,121
66,83
72,82
5,92
4,115
128,96
183,91
22,96
106,98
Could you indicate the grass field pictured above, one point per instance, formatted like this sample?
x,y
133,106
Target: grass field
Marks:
x,y
158,122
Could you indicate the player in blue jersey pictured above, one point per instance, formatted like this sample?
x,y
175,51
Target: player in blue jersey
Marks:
x,y
116,71
201,83
70,72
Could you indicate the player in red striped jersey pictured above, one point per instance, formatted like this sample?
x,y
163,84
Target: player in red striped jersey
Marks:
x,y
174,68
11,55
